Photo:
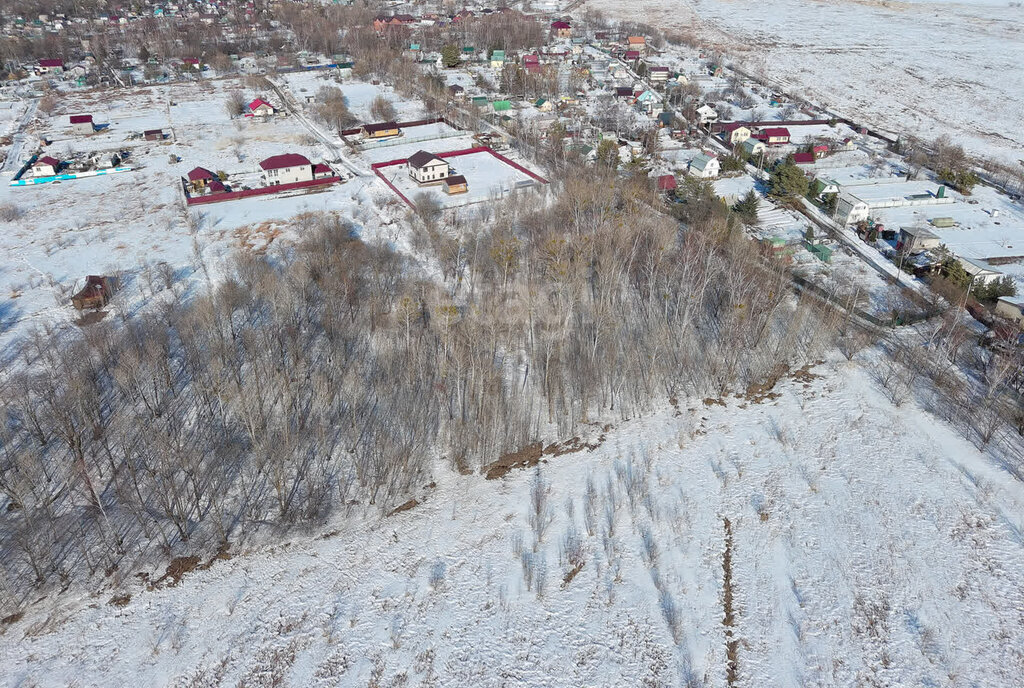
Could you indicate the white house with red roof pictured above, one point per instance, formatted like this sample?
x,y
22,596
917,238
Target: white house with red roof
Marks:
x,y
44,167
261,108
286,168
82,124
50,66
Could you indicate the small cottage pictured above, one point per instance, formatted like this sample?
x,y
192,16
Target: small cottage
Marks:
x,y
380,131
261,108
704,166
82,124
455,184
44,167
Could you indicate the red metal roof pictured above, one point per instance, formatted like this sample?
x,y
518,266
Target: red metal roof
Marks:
x,y
81,119
560,25
199,173
320,168
384,126
51,63
803,158
47,160
632,54
666,182
776,132
259,101
276,162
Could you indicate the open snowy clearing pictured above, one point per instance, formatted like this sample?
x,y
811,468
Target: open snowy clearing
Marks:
x,y
927,68
868,545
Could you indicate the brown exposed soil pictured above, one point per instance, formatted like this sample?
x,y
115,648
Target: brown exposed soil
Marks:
x,y
176,570
90,318
531,455
13,618
571,573
763,391
714,402
120,600
404,507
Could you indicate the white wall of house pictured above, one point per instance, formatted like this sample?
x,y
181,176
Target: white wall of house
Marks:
x,y
433,171
739,135
709,171
1010,309
288,175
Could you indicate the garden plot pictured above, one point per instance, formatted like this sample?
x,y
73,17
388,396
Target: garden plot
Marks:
x,y
126,222
402,147
488,177
438,131
358,94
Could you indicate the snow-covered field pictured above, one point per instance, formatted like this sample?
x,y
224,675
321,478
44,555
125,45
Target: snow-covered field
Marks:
x,y
927,67
869,545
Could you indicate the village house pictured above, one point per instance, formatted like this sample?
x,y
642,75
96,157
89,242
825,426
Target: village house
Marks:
x,y
260,108
82,124
561,29
381,23
735,134
427,168
455,184
50,66
704,166
153,135
774,136
707,114
820,150
380,131
667,183
199,178
44,167
804,159
631,55
638,43
287,168
1011,308
916,239
658,75
980,274
497,59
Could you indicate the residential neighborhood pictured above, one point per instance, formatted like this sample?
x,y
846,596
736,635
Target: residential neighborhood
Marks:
x,y
520,343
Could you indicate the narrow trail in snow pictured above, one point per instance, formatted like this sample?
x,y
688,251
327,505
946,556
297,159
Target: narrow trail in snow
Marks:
x,y
732,644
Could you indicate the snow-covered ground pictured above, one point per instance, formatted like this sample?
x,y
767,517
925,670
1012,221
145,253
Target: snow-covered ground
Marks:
x,y
488,178
870,545
927,67
137,220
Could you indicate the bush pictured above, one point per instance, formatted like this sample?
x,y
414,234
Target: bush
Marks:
x,y
9,212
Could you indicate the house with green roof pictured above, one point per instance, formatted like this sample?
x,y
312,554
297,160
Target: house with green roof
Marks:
x,y
497,59
501,105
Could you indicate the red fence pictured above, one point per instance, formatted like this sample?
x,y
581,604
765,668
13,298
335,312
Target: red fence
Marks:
x,y
376,167
263,191
720,126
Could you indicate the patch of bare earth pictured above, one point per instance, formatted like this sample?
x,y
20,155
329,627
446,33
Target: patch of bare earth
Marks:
x,y
533,453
